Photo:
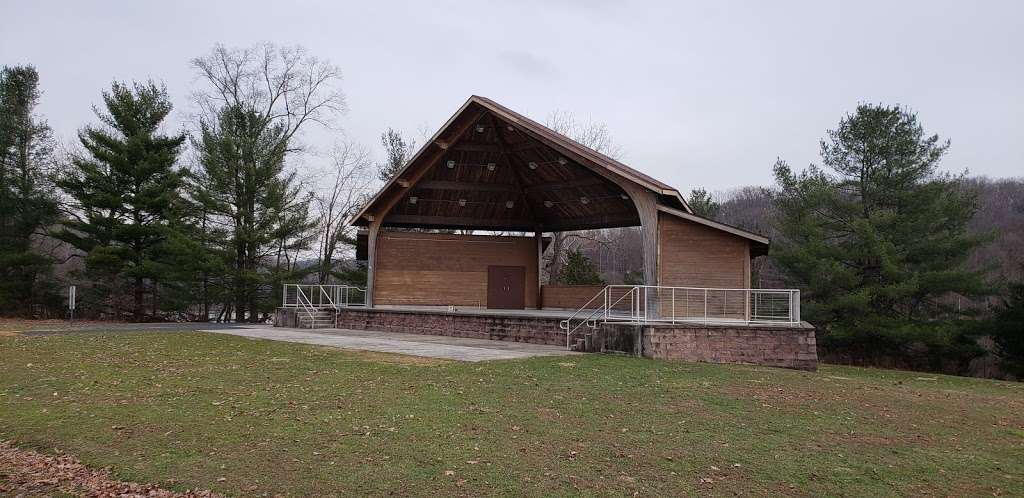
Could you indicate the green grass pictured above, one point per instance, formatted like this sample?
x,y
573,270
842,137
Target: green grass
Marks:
x,y
186,409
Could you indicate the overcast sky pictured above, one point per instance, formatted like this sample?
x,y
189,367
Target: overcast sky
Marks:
x,y
704,94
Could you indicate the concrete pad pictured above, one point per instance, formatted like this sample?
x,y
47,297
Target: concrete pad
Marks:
x,y
431,346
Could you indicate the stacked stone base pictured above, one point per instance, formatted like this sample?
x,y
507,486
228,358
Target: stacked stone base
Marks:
x,y
775,346
534,330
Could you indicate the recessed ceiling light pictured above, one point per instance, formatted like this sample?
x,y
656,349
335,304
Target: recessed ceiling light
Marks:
x,y
510,204
584,200
451,164
479,128
548,204
624,197
510,128
532,165
562,161
491,166
462,202
413,199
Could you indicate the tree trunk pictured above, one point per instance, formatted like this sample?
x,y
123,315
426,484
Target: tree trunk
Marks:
x,y
137,301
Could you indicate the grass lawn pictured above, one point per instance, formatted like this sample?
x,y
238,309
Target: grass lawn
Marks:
x,y
243,417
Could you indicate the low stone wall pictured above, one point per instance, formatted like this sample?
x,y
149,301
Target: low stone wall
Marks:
x,y
286,317
571,297
535,330
775,346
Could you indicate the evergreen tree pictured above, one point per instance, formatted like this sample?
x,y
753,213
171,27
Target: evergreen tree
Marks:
x,y
579,270
877,236
1007,328
703,204
243,186
27,204
398,150
126,187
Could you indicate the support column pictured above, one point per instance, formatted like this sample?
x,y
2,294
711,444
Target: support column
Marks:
x,y
538,237
646,203
647,209
371,259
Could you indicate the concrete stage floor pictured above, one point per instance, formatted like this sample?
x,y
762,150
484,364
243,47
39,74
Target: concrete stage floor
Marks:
x,y
431,346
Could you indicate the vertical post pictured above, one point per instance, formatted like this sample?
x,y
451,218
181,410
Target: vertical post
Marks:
x,y
705,305
794,308
371,259
284,295
746,305
673,305
71,302
606,302
538,237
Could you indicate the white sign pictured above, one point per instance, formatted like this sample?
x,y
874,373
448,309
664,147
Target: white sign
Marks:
x,y
71,298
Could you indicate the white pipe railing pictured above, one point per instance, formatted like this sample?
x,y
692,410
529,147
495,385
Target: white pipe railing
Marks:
x,y
322,296
647,304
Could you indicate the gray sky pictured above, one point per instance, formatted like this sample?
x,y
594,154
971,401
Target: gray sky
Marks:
x,y
702,94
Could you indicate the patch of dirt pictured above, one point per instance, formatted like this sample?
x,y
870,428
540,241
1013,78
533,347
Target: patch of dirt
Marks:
x,y
26,472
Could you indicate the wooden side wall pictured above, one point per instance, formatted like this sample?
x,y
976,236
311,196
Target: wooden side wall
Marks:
x,y
693,255
571,297
433,269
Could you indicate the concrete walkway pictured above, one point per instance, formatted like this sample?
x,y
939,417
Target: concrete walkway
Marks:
x,y
431,346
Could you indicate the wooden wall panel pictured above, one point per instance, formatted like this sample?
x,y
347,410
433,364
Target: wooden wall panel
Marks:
x,y
431,269
571,297
693,255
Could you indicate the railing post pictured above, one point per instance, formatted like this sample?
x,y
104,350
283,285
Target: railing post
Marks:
x,y
794,308
646,303
673,305
606,301
284,296
746,305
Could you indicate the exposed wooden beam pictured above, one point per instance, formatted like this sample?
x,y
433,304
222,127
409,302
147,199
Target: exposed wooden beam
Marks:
x,y
477,147
517,175
417,175
475,187
457,222
582,182
588,223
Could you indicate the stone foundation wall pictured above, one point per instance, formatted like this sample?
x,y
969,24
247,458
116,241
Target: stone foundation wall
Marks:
x,y
286,317
535,330
775,346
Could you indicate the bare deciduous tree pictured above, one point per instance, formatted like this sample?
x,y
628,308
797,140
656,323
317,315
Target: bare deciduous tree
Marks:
x,y
285,85
352,178
596,136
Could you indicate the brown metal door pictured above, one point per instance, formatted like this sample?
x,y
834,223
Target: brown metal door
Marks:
x,y
506,287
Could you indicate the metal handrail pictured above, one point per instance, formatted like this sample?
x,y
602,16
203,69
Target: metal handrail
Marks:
x,y
756,306
327,296
307,305
564,324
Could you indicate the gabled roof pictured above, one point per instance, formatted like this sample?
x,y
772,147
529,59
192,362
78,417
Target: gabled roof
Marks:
x,y
580,173
599,158
759,243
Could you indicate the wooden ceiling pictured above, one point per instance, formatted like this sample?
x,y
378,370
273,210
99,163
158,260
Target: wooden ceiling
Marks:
x,y
482,172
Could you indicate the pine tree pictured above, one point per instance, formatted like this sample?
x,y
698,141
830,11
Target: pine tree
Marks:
x,y
579,270
398,151
243,186
1007,329
877,236
125,187
27,204
703,204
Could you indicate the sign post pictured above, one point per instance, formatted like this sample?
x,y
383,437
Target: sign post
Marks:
x,y
71,302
